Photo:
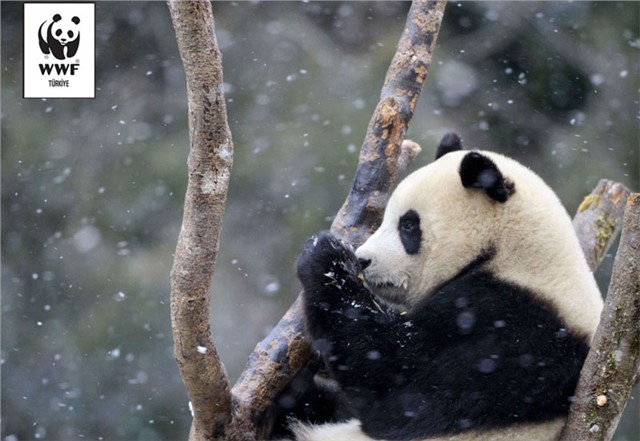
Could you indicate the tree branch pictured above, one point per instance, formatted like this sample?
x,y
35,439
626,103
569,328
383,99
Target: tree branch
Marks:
x,y
383,159
599,219
611,368
209,164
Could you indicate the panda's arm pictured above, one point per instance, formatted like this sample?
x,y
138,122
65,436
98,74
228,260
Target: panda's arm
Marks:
x,y
349,329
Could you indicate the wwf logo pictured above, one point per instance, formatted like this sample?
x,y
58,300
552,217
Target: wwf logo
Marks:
x,y
59,37
55,64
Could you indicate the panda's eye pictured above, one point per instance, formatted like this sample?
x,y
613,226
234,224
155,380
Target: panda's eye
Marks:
x,y
409,225
409,222
70,34
58,32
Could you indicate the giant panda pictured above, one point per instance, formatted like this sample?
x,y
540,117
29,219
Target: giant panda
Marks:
x,y
466,316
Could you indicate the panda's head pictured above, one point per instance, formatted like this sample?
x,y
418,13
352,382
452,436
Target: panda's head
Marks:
x,y
475,209
64,31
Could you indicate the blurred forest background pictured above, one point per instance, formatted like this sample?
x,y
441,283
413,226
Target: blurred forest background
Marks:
x,y
92,190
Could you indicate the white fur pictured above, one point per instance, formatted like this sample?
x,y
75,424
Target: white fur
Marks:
x,y
532,234
350,431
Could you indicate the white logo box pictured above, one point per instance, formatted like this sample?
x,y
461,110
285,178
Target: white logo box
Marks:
x,y
59,50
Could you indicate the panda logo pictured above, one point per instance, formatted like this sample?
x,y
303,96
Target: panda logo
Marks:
x,y
58,35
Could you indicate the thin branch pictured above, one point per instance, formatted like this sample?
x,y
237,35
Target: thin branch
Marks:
x,y
599,219
611,368
383,159
209,164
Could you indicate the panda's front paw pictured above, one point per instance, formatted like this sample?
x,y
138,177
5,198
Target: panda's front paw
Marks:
x,y
328,260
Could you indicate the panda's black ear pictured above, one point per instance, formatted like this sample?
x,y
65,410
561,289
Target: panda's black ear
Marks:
x,y
57,17
76,20
479,171
450,142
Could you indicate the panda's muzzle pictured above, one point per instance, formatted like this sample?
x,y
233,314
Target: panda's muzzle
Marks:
x,y
387,290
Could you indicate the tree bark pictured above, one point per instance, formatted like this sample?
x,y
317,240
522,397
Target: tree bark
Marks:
x,y
611,368
209,166
599,219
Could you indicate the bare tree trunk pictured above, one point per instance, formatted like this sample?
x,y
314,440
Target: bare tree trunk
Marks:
x,y
611,368
210,160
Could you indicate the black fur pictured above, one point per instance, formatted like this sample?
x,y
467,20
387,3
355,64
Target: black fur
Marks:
x,y
478,171
410,232
478,353
450,142
306,399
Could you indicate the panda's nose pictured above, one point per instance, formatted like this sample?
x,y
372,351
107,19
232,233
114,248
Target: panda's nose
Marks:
x,y
364,263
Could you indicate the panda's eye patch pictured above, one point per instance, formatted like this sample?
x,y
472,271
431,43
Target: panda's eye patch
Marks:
x,y
70,34
408,223
58,32
410,232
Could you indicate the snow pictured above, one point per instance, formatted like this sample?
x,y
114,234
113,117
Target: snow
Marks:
x,y
87,238
522,79
272,287
374,355
487,365
466,320
597,79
